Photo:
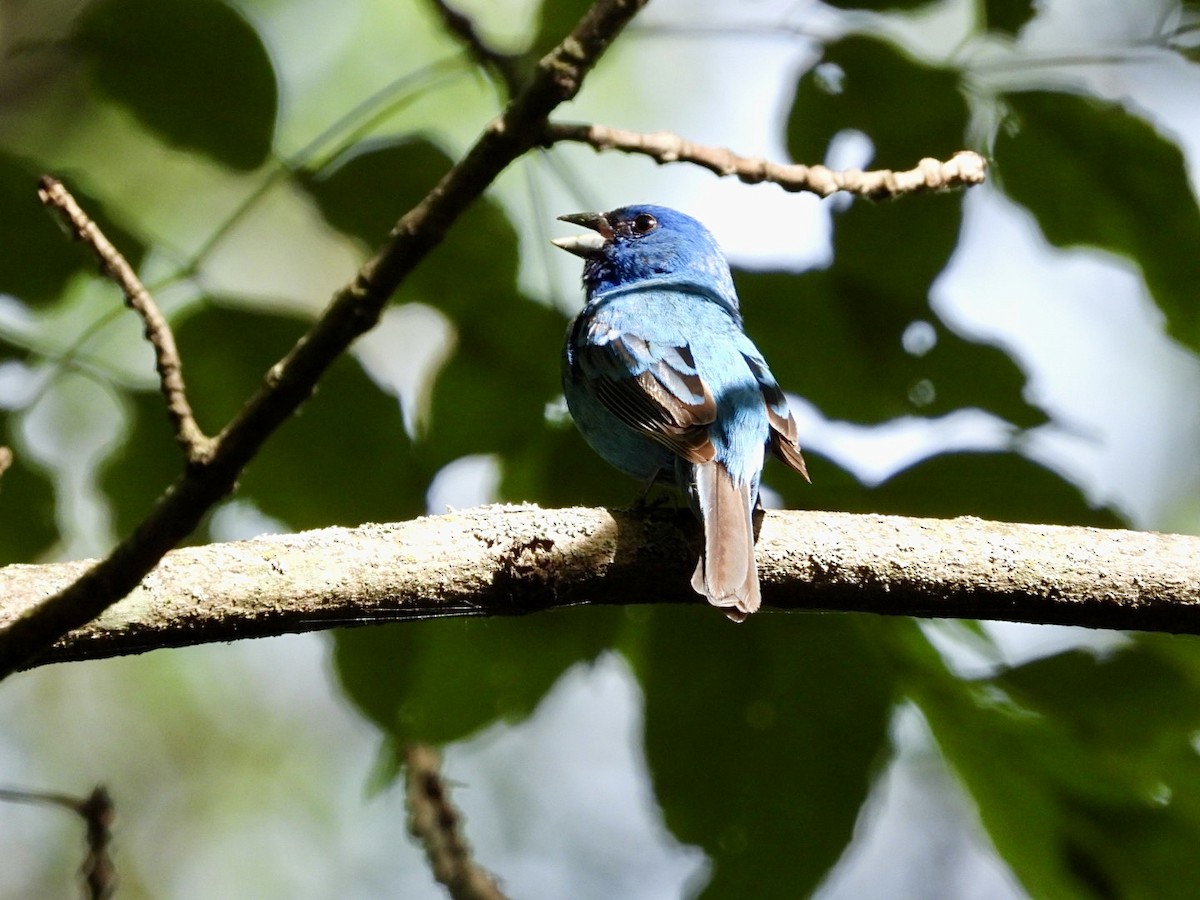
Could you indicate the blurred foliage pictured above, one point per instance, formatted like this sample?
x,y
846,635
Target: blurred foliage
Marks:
x,y
194,71
1085,769
1137,188
493,392
1005,487
879,285
763,751
27,233
763,741
503,667
1007,16
354,424
877,379
859,76
26,507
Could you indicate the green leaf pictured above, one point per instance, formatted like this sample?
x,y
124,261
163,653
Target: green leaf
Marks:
x,y
1084,769
1008,16
27,523
354,202
1002,486
909,110
851,318
560,469
194,71
1095,174
145,466
491,395
764,739
843,321
473,274
1104,700
344,459
556,18
40,257
444,680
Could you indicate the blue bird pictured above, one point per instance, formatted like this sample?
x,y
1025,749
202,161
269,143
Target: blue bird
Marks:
x,y
665,385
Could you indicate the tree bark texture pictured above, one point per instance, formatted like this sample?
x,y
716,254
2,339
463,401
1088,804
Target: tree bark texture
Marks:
x,y
504,560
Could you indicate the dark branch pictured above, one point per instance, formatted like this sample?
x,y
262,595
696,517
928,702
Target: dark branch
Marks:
x,y
505,65
964,169
96,810
434,821
354,309
166,356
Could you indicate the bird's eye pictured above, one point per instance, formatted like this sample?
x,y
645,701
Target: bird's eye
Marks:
x,y
643,223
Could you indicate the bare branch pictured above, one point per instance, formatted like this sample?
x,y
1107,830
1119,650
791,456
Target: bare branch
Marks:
x,y
6,459
500,560
98,870
191,438
433,820
507,66
96,810
965,169
354,309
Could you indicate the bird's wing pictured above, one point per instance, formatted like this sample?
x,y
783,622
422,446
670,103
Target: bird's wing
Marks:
x,y
784,436
653,387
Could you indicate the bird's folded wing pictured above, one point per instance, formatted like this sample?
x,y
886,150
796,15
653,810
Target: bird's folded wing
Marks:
x,y
784,436
652,387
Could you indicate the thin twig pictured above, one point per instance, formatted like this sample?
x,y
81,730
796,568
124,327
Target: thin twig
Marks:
x,y
433,820
505,65
195,444
98,814
964,169
6,460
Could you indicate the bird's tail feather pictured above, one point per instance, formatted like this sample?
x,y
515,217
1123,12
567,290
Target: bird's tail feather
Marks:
x,y
726,573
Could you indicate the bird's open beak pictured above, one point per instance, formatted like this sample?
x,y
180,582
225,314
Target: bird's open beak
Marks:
x,y
585,245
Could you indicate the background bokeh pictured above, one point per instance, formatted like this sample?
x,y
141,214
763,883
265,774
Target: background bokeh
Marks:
x,y
1024,351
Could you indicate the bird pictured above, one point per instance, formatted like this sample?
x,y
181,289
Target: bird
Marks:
x,y
664,384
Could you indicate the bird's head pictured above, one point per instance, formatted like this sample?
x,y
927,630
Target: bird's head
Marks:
x,y
638,244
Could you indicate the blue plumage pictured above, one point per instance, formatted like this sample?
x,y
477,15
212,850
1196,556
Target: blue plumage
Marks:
x,y
664,384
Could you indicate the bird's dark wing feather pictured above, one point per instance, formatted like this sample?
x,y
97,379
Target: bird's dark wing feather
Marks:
x,y
654,388
784,437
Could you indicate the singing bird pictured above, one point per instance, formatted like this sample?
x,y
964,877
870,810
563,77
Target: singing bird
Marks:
x,y
663,382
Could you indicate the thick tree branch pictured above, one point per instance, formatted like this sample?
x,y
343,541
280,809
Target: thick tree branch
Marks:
x,y
354,309
196,445
964,169
501,560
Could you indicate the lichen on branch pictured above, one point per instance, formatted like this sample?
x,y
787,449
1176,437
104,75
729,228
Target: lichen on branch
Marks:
x,y
501,560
